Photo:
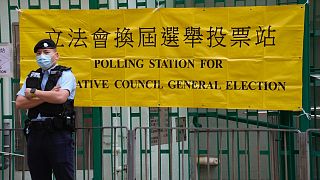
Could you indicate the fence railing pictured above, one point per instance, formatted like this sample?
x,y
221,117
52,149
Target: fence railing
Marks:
x,y
179,153
313,153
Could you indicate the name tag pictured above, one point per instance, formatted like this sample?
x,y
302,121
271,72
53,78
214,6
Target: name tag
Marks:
x,y
35,75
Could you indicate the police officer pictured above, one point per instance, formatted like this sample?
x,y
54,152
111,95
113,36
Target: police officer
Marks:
x,y
48,94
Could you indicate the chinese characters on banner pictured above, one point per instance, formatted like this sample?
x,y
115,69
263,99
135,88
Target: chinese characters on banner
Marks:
x,y
233,57
169,37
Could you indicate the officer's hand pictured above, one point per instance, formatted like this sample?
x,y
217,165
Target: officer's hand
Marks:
x,y
27,93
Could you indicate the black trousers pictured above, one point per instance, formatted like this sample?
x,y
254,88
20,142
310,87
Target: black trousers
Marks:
x,y
50,151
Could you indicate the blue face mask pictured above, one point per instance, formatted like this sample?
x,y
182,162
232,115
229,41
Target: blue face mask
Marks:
x,y
44,61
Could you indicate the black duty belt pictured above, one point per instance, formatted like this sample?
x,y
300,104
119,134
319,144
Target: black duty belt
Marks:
x,y
50,124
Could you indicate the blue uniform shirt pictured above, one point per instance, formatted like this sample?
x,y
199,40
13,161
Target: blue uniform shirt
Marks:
x,y
66,81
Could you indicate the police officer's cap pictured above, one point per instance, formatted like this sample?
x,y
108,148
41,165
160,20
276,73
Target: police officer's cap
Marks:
x,y
44,44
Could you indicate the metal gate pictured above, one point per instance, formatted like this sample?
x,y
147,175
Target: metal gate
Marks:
x,y
185,153
104,155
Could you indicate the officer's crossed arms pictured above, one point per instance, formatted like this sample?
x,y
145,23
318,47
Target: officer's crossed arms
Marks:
x,y
30,100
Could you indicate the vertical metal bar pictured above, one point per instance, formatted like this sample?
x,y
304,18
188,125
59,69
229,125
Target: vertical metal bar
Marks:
x,y
271,149
122,148
75,153
88,159
140,142
303,166
114,158
307,146
279,150
170,153
198,155
2,131
10,156
285,155
150,153
146,153
189,149
291,162
195,157
218,147
130,156
159,145
112,146
169,131
269,155
13,140
246,154
9,19
93,4
238,148
248,149
97,148
208,158
311,156
182,161
315,118
178,141
304,122
258,153
220,153
14,132
233,155
314,102
228,146
159,151
150,147
276,155
83,147
208,142
314,27
24,161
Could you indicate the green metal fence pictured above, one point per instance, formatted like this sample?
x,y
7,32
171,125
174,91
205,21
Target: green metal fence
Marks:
x,y
185,153
92,159
253,154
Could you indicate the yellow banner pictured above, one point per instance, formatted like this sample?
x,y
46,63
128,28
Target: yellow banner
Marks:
x,y
234,57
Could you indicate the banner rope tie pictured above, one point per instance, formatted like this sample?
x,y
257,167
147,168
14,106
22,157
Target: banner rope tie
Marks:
x,y
18,9
308,115
158,7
